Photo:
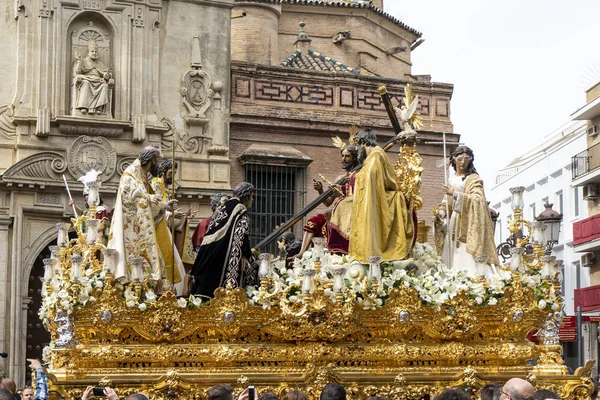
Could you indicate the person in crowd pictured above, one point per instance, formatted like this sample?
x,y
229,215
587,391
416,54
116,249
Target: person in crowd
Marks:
x,y
295,394
6,394
220,392
489,390
109,393
543,394
452,394
41,381
377,398
27,393
269,396
517,389
333,391
225,256
137,396
8,384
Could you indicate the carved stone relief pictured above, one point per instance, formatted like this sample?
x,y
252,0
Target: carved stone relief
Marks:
x,y
92,152
39,168
8,130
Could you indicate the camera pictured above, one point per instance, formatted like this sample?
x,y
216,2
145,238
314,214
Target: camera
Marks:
x,y
251,393
98,392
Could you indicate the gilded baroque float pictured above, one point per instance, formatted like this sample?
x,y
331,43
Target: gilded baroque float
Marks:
x,y
402,329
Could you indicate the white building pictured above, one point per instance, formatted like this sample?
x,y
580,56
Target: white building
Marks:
x,y
545,172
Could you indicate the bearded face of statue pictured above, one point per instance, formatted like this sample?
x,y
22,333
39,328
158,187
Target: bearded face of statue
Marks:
x,y
93,53
347,160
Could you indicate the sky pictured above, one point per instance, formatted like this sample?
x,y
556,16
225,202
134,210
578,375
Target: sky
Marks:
x,y
520,68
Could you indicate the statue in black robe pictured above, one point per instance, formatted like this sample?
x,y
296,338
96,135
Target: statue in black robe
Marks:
x,y
225,256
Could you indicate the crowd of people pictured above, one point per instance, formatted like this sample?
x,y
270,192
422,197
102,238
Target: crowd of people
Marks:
x,y
513,389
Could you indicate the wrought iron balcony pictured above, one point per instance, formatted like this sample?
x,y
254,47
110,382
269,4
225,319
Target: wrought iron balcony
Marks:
x,y
586,165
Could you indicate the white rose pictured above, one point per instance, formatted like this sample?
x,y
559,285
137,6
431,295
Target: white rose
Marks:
x,y
143,307
99,284
131,303
555,307
542,304
293,299
150,296
63,294
182,302
479,300
493,301
196,301
92,298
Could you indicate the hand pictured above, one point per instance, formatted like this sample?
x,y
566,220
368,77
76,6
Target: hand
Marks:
x,y
87,393
179,214
245,395
71,202
318,186
192,214
110,394
171,203
449,190
155,199
34,363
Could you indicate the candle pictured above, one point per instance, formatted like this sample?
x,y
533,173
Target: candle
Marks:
x,y
374,268
338,278
92,230
63,233
76,261
109,260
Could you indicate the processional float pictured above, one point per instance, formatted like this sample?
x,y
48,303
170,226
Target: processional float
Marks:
x,y
386,330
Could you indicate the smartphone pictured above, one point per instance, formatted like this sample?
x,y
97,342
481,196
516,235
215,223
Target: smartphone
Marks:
x,y
98,392
251,393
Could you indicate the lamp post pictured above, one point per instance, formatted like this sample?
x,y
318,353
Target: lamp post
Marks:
x,y
552,219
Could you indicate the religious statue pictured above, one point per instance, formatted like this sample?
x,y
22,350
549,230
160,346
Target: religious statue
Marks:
x,y
215,201
381,222
335,223
289,247
225,256
132,231
92,82
470,246
160,199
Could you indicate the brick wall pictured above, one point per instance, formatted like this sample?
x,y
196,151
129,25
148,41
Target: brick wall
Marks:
x,y
254,37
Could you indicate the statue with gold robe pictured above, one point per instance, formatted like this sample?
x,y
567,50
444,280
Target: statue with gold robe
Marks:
x,y
471,245
174,269
381,222
132,231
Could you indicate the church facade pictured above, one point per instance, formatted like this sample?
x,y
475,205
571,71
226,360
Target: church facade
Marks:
x,y
240,88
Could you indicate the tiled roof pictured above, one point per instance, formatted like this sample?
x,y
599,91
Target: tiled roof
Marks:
x,y
349,4
317,62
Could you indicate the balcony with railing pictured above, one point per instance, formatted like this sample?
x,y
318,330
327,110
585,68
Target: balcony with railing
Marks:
x,y
585,166
586,234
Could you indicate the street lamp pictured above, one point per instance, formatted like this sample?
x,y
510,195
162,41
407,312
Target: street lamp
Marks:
x,y
552,219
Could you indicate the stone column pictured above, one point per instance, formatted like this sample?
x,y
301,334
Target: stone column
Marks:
x,y
5,222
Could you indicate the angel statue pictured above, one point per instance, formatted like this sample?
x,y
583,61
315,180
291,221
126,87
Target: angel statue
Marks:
x,y
407,116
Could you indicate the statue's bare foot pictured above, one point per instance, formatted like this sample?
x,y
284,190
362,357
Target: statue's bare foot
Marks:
x,y
98,111
84,110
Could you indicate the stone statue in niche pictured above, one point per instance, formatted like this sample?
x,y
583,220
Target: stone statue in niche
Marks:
x,y
93,81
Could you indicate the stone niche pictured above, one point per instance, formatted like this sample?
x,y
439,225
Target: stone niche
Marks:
x,y
90,55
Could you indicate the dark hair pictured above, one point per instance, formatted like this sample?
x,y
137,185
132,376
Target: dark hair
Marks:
x,y
488,390
542,394
215,200
352,149
9,384
137,396
295,394
595,392
6,394
366,137
268,396
243,191
377,398
452,394
288,237
464,150
148,154
333,391
165,166
220,392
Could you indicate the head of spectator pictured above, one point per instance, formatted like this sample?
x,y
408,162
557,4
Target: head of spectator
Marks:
x,y
377,398
27,393
488,391
6,394
517,389
595,392
452,394
8,384
543,394
220,392
269,396
295,395
333,391
137,396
